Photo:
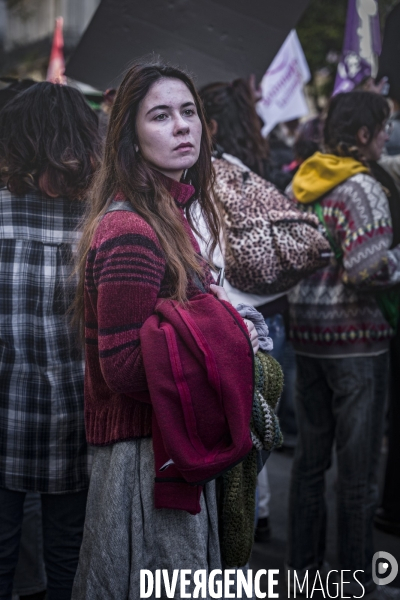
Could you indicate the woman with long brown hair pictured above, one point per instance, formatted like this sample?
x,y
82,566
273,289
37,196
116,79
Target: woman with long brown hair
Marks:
x,y
137,247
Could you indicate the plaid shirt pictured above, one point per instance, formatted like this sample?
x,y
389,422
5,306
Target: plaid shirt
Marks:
x,y
42,436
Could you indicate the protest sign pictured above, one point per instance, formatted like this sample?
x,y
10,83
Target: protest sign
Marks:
x,y
283,97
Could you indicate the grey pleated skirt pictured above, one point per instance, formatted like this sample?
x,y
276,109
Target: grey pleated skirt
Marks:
x,y
124,533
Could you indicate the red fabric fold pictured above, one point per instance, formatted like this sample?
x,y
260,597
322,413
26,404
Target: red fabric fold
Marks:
x,y
201,385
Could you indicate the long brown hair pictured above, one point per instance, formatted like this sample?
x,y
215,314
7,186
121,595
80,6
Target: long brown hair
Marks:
x,y
124,170
232,106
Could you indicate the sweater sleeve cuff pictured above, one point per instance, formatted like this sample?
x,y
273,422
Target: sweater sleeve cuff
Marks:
x,y
249,312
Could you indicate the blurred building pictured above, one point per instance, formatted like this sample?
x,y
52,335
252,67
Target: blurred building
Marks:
x,y
26,29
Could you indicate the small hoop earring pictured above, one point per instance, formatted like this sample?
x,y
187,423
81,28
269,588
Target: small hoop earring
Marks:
x,y
136,148
184,174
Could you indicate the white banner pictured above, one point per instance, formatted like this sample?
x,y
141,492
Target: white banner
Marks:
x,y
283,97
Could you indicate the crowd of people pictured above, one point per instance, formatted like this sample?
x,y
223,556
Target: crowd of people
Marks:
x,y
138,396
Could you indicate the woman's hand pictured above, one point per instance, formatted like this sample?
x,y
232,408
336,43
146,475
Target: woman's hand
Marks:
x,y
252,334
219,291
221,294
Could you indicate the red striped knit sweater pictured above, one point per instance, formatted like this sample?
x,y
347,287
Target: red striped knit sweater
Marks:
x,y
125,274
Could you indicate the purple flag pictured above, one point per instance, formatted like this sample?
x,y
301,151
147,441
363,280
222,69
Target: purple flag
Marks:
x,y
362,44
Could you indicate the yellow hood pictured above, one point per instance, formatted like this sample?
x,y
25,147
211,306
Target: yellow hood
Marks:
x,y
321,173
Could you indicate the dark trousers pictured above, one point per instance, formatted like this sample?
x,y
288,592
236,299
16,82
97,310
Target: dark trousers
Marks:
x,y
30,575
340,401
63,517
391,490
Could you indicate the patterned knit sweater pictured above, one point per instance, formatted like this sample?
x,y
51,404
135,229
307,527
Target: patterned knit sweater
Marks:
x,y
334,312
125,274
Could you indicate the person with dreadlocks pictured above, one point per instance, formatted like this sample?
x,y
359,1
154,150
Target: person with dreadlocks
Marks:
x,y
342,320
236,128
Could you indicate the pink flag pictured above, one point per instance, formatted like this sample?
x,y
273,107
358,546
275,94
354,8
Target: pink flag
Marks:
x,y
56,68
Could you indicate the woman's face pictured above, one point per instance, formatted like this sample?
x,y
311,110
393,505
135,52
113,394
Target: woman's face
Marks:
x,y
168,128
372,148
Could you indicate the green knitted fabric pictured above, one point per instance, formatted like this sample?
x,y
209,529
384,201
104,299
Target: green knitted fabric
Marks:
x,y
264,426
271,384
238,506
239,483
